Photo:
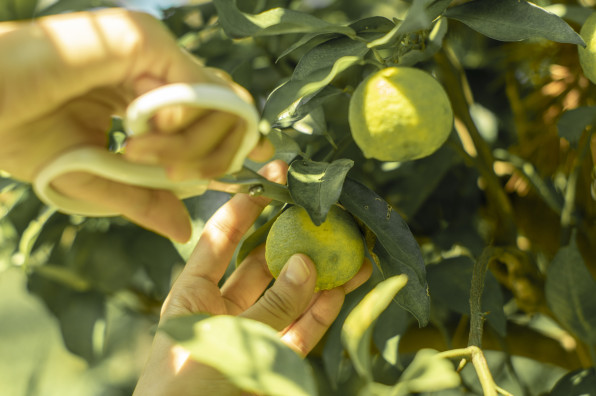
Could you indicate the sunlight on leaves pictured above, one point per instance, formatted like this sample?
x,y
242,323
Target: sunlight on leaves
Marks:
x,y
249,353
358,327
427,373
514,20
316,186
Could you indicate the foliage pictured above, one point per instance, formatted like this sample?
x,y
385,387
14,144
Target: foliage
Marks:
x,y
497,226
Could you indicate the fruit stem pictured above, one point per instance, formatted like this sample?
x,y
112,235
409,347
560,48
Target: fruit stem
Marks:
x,y
453,77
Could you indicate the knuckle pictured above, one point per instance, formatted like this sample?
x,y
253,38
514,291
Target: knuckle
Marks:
x,y
279,304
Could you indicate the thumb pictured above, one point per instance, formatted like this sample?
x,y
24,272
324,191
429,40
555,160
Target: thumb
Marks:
x,y
289,296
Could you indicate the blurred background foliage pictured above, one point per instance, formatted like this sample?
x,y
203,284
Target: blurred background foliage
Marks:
x,y
80,298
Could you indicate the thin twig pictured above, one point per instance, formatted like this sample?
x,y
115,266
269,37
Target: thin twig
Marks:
x,y
476,289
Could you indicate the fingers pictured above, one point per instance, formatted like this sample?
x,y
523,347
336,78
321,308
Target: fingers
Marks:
x,y
263,151
226,227
289,296
360,278
304,334
307,331
157,210
246,284
204,149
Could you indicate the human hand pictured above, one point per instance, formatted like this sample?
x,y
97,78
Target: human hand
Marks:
x,y
289,306
67,75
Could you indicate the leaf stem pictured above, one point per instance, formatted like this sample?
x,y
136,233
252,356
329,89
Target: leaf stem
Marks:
x,y
568,220
475,355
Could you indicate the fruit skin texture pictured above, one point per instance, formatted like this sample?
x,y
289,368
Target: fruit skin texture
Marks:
x,y
400,114
587,56
335,247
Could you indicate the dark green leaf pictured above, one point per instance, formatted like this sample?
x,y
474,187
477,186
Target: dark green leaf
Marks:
x,y
102,259
157,256
78,314
358,327
576,383
388,331
570,291
449,284
283,102
249,353
513,20
397,250
286,148
272,22
370,25
313,123
572,123
7,184
307,106
325,55
258,237
436,8
316,186
333,352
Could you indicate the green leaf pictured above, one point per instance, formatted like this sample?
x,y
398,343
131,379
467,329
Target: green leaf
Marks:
x,y
358,326
427,373
7,184
397,250
200,208
391,326
307,106
572,123
249,353
275,21
256,238
419,17
286,148
514,20
449,284
156,255
436,8
316,186
577,382
325,55
433,45
416,19
570,291
80,314
62,6
283,102
17,9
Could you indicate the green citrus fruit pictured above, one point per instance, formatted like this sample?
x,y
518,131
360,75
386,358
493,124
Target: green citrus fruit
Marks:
x,y
587,56
400,114
335,246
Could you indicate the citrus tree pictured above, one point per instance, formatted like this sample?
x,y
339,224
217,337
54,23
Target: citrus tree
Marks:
x,y
459,137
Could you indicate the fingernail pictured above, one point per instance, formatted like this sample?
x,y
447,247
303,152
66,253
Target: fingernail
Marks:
x,y
296,271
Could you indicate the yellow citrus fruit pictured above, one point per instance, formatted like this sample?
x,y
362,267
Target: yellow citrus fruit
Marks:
x,y
400,114
335,246
587,56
